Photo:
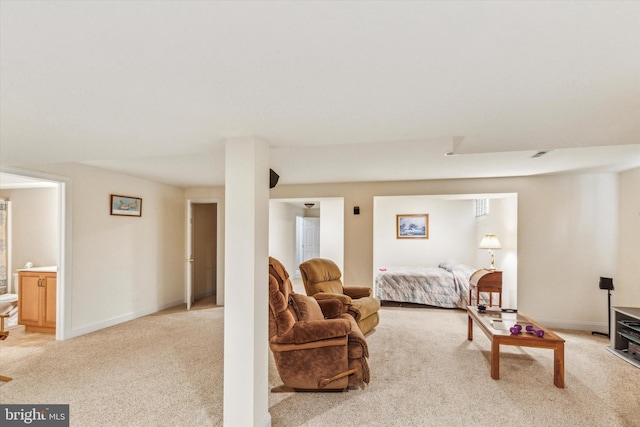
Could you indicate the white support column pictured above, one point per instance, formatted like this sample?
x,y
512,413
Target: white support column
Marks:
x,y
246,388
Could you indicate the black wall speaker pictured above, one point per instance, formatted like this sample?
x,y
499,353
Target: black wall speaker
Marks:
x,y
606,283
273,178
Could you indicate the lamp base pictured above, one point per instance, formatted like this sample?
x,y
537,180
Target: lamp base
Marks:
x,y
493,261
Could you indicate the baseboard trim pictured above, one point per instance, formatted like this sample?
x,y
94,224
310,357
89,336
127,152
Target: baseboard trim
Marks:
x,y
121,319
573,325
267,420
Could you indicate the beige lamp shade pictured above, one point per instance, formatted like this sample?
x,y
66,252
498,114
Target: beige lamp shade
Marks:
x,y
491,243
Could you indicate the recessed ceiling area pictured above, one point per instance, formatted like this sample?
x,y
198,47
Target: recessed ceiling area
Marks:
x,y
341,91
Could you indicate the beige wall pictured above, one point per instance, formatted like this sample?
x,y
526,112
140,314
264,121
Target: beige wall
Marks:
x,y
567,236
282,233
451,229
121,267
34,227
627,282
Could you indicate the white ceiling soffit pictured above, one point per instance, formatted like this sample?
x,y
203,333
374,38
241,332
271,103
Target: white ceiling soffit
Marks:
x,y
415,161
12,182
380,162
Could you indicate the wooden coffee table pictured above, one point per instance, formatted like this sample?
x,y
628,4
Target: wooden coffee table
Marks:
x,y
504,337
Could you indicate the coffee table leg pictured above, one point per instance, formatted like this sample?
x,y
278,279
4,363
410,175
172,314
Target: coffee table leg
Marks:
x,y
495,359
558,365
470,329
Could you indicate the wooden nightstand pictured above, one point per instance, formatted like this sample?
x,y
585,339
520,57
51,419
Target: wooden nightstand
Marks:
x,y
486,281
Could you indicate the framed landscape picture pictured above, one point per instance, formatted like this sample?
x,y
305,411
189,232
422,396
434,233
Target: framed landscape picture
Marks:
x,y
412,226
126,205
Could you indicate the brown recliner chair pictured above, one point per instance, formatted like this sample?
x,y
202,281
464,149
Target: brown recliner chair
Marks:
x,y
321,278
314,348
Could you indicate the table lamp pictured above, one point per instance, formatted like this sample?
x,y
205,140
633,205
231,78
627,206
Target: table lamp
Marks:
x,y
491,243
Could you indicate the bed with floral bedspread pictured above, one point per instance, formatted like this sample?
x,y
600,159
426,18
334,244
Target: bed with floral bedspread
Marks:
x,y
444,286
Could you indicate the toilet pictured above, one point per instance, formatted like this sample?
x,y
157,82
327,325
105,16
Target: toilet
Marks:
x,y
9,303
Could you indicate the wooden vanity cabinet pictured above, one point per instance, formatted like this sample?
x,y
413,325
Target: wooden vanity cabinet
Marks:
x,y
37,301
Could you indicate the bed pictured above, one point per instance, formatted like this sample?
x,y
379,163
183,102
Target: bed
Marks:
x,y
444,286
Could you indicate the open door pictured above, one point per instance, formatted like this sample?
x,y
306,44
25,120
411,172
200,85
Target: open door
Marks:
x,y
188,259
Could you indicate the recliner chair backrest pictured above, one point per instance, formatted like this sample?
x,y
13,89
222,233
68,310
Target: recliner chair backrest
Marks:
x,y
321,275
281,316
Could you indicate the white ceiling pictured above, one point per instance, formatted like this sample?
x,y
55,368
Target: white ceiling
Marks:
x,y
342,91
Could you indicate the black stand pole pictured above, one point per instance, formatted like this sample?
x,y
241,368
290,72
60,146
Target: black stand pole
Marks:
x,y
608,317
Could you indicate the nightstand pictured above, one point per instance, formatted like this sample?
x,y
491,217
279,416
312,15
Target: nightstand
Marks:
x,y
486,281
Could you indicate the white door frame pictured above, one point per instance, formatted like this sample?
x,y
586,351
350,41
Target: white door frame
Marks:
x,y
63,279
188,270
188,257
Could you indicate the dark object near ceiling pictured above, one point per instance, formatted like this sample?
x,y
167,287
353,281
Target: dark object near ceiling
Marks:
x,y
273,178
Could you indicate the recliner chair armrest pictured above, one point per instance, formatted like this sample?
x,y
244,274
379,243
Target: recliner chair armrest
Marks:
x,y
331,308
344,299
356,292
316,330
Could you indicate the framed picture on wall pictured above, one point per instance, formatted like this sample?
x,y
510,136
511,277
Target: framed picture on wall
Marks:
x,y
126,205
412,226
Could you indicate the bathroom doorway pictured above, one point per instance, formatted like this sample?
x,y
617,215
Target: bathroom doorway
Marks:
x,y
202,267
39,203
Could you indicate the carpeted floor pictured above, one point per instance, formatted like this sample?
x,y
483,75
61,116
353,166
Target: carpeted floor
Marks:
x,y
426,373
166,370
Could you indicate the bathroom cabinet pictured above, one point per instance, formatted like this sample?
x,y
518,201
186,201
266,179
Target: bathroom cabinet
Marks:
x,y
37,302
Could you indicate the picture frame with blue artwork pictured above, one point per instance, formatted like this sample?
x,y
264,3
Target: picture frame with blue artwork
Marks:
x,y
126,205
412,226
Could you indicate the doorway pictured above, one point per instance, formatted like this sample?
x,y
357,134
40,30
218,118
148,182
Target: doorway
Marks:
x,y
40,201
202,257
286,231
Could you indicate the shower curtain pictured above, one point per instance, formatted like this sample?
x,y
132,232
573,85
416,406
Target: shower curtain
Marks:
x,y
4,255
